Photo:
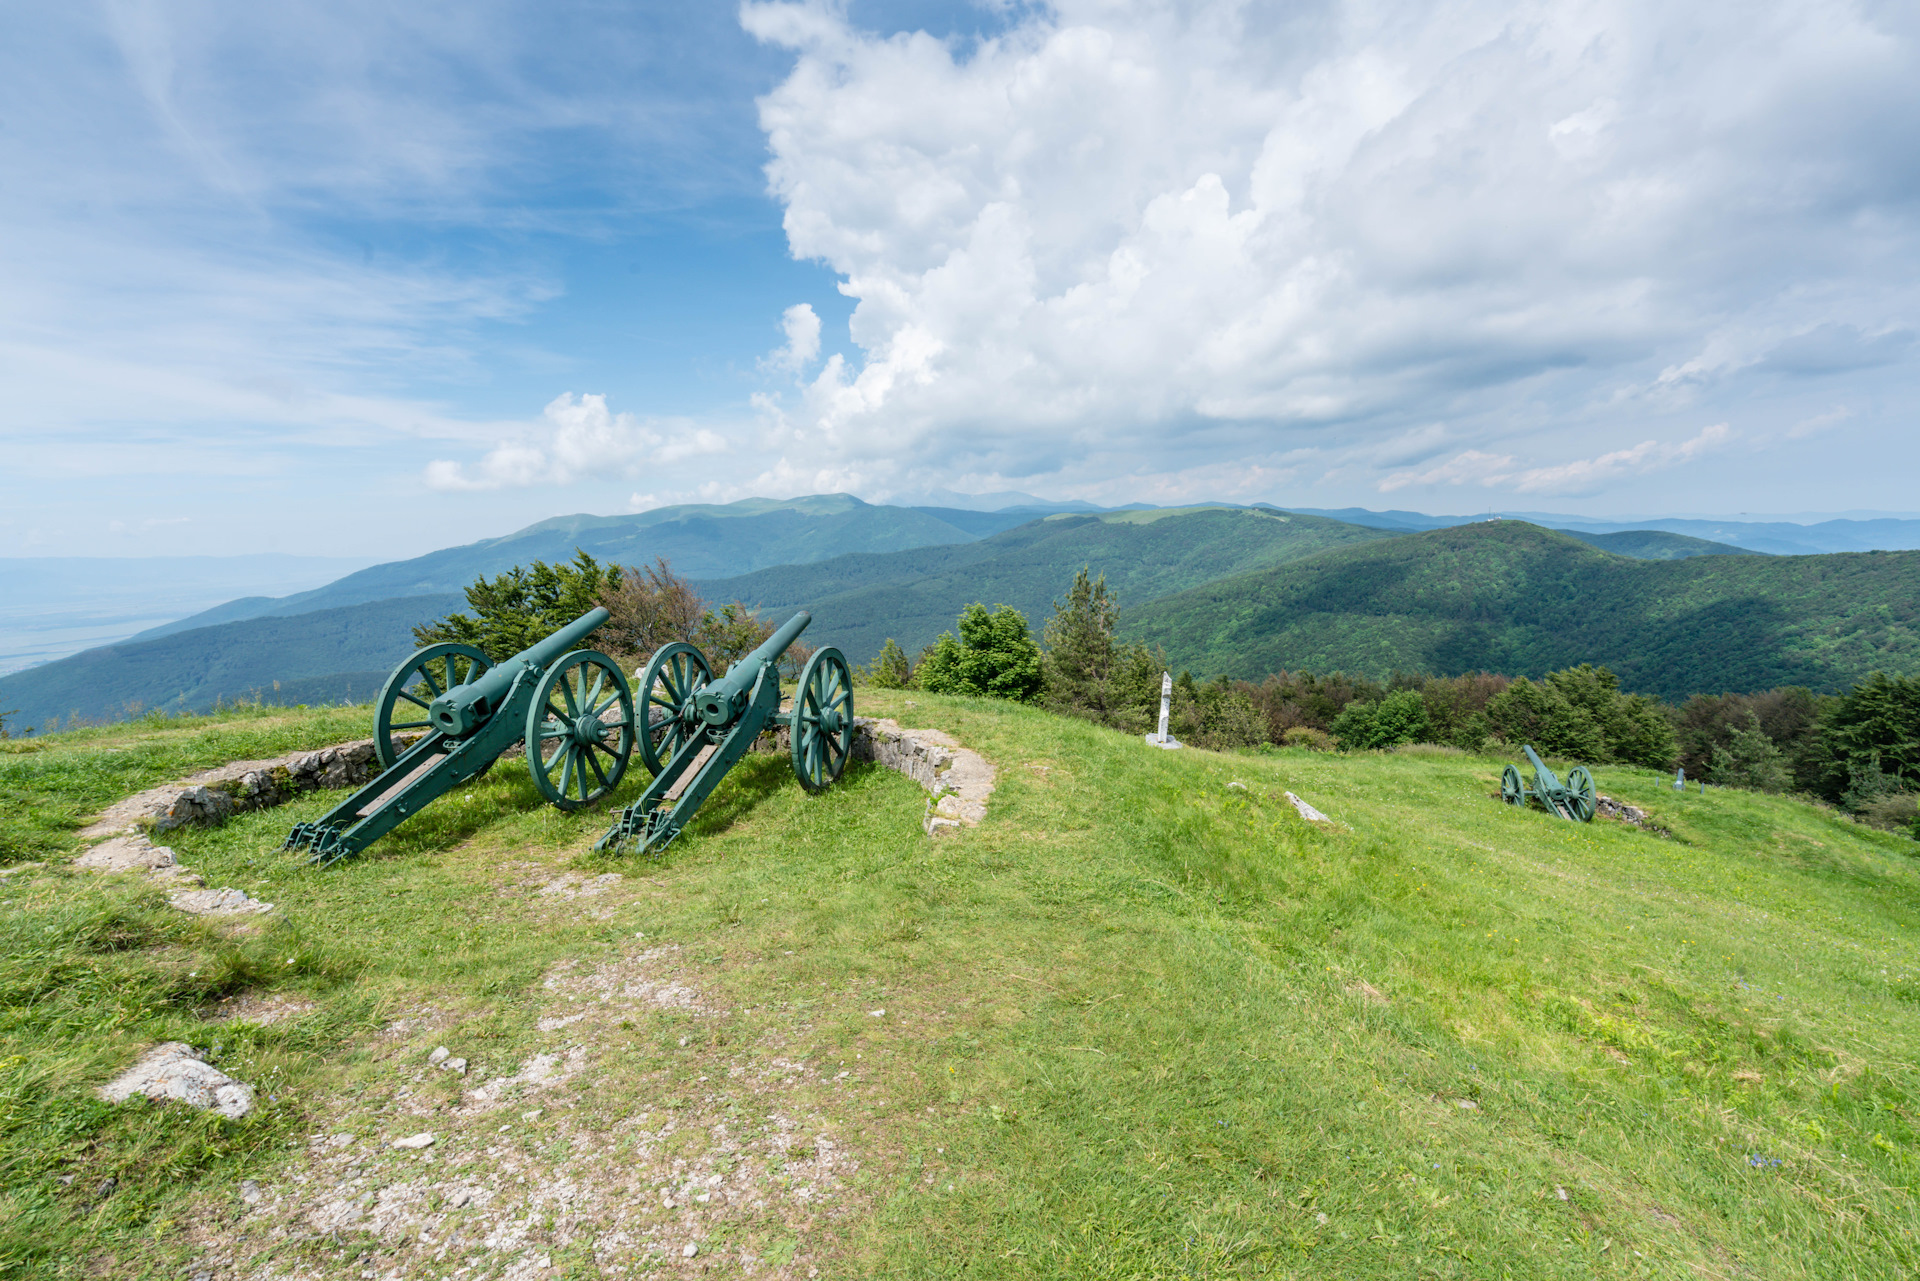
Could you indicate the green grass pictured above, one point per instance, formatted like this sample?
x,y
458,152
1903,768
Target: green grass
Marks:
x,y
51,784
1140,1023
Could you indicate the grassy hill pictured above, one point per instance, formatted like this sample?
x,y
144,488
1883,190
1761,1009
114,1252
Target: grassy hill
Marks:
x,y
859,601
322,656
1143,1022
701,541
1516,598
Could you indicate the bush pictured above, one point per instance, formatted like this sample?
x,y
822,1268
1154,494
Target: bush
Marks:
x,y
651,606
994,657
890,669
1400,717
1893,812
1580,714
1314,740
524,605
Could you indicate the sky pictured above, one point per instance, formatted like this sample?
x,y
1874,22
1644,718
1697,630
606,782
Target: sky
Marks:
x,y
367,279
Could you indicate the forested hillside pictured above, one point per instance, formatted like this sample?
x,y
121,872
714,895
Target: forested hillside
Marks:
x,y
1511,597
860,601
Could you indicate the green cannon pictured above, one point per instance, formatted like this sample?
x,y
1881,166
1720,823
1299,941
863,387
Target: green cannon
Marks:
x,y
1572,800
698,728
572,708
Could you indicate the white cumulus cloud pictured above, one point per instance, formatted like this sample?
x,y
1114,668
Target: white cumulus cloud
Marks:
x,y
577,437
1143,238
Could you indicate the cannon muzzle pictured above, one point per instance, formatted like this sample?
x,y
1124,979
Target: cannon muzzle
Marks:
x,y
719,702
462,710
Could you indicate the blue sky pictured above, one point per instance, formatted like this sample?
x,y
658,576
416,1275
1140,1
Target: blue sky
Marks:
x,y
368,279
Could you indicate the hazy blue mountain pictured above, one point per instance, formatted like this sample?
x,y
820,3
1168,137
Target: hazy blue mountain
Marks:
x,y
699,540
1779,538
58,605
322,656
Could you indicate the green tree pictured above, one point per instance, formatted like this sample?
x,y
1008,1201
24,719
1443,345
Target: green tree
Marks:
x,y
1872,740
891,669
1217,714
1084,672
1538,713
1751,760
524,605
1400,717
994,657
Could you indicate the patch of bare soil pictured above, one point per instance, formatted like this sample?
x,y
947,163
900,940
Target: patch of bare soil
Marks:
x,y
571,1163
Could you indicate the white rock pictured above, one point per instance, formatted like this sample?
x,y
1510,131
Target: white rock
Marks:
x,y
176,1070
690,1250
1307,811
440,1055
220,902
415,1141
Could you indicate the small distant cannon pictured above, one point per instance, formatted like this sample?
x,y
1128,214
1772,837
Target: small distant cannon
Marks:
x,y
698,728
572,708
1572,800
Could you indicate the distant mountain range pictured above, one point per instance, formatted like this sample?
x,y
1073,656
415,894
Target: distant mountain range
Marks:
x,y
1190,578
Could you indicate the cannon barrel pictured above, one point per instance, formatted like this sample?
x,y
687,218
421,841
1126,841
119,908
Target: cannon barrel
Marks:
x,y
719,702
460,711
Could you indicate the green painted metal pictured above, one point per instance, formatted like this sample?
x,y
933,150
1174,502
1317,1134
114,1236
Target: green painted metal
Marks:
x,y
702,727
1575,800
579,730
822,720
468,726
666,701
410,691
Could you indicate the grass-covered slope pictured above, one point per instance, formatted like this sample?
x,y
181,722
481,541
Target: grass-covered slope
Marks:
x,y
323,656
1511,597
859,601
1143,1022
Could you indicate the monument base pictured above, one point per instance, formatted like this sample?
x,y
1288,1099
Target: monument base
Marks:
x,y
1167,741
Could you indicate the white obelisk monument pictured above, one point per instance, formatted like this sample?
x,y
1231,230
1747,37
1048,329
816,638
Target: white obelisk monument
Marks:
x,y
1162,739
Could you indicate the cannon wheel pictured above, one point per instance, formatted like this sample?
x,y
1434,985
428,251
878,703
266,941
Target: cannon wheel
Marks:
x,y
1580,793
822,736
672,675
1512,791
581,703
433,671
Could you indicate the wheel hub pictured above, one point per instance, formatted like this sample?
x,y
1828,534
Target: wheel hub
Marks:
x,y
588,729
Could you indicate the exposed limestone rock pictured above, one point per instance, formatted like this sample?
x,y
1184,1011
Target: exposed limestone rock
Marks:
x,y
960,779
176,1070
221,902
1307,811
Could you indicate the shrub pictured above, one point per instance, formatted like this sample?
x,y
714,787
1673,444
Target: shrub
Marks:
x,y
1893,812
1314,740
993,657
1400,717
1580,714
651,606
526,604
1871,738
890,669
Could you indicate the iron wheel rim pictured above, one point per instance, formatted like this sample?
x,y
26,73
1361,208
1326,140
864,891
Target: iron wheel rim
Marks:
x,y
568,752
821,737
672,676
401,689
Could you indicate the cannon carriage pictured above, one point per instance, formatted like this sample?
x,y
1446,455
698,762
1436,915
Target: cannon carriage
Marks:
x,y
1573,800
448,713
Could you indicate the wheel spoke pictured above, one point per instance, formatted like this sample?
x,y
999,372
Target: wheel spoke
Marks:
x,y
417,702
407,725
426,675
599,683
593,763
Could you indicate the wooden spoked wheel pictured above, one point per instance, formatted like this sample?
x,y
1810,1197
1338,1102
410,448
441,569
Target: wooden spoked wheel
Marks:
x,y
1511,789
822,736
672,676
414,685
580,729
1580,793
